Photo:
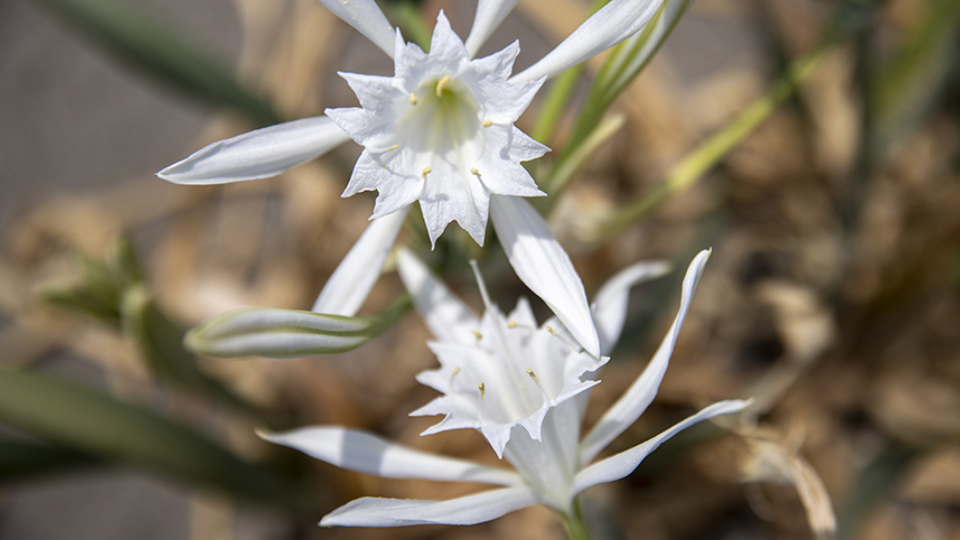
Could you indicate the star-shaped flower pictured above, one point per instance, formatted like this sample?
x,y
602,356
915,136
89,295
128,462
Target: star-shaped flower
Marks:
x,y
440,131
524,388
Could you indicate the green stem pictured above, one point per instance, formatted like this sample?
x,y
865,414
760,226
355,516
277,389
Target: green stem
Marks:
x,y
407,16
695,164
555,104
573,523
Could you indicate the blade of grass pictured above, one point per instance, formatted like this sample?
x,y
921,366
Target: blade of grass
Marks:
x,y
91,422
146,43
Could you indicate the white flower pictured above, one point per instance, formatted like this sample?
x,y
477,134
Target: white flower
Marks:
x,y
524,387
440,131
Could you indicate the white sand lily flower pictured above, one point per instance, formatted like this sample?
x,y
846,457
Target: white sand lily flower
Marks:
x,y
523,387
440,131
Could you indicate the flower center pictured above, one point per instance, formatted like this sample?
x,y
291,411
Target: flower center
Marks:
x,y
442,119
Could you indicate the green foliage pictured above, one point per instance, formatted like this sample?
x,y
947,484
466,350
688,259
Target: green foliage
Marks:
x,y
146,43
96,424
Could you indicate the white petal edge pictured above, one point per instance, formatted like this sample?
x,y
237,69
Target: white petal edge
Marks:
x,y
638,397
363,452
469,510
610,25
624,463
366,17
610,302
445,315
261,153
350,284
542,265
490,13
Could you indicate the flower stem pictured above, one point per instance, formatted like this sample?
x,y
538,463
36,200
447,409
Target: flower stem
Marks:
x,y
573,523
693,166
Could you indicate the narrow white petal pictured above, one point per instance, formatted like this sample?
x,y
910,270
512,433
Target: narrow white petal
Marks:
x,y
258,154
631,405
542,264
366,17
448,319
490,13
366,453
485,506
624,463
610,25
352,281
610,303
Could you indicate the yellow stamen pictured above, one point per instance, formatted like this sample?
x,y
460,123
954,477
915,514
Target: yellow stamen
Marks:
x,y
440,84
483,390
475,171
426,170
477,335
512,324
394,147
413,99
455,371
533,375
487,123
548,329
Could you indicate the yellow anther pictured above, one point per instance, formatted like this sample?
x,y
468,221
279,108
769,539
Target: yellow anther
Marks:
x,y
487,123
455,371
394,147
440,84
426,170
548,329
476,334
413,99
511,324
533,375
475,171
483,390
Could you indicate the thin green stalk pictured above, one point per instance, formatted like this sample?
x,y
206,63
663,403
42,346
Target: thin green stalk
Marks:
x,y
555,104
407,16
564,171
692,167
573,523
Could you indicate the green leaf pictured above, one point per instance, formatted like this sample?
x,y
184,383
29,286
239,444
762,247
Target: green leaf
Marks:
x,y
704,157
288,333
142,40
91,422
874,484
160,343
22,458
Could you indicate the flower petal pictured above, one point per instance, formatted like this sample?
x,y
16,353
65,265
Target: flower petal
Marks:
x,y
485,506
366,17
448,319
624,463
542,264
366,453
610,25
631,405
610,303
490,13
258,154
353,279
278,333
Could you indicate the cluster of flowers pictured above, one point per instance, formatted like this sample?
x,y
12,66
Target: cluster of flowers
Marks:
x,y
441,132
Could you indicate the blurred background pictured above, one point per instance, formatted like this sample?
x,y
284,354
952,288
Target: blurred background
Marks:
x,y
813,144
